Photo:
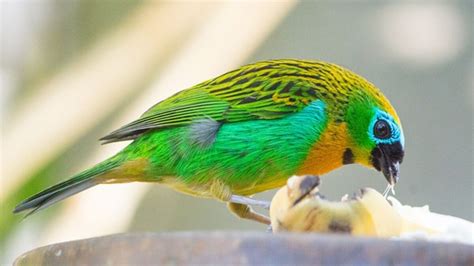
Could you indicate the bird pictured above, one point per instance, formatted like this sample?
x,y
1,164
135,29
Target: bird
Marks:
x,y
248,131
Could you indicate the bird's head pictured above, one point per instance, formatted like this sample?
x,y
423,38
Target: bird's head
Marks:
x,y
376,133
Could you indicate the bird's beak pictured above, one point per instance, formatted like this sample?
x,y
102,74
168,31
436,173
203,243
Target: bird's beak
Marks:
x,y
387,159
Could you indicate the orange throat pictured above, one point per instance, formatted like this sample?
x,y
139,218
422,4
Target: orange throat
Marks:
x,y
327,153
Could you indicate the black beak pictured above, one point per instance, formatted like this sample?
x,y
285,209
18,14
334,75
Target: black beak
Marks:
x,y
387,158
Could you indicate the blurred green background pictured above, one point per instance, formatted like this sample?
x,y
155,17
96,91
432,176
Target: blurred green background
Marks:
x,y
71,71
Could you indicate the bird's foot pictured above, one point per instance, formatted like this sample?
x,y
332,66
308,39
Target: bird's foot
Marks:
x,y
239,205
246,212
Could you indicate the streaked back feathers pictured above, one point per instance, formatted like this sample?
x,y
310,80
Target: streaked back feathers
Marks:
x,y
263,90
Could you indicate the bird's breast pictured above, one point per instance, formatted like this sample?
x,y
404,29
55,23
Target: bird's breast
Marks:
x,y
327,153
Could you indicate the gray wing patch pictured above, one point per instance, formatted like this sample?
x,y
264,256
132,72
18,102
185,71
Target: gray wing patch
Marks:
x,y
204,132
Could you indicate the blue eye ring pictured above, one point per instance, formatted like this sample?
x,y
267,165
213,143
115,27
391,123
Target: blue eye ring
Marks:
x,y
395,130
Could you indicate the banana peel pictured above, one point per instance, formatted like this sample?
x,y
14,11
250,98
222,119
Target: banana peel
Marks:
x,y
299,207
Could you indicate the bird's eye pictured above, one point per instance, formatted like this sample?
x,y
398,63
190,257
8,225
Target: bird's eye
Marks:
x,y
382,129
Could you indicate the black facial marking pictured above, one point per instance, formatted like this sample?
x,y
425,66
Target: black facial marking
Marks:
x,y
375,156
394,151
347,157
384,155
337,226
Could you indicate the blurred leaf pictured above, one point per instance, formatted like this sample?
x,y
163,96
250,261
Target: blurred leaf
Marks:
x,y
76,25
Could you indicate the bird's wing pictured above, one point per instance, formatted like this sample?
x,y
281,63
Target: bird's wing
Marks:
x,y
264,90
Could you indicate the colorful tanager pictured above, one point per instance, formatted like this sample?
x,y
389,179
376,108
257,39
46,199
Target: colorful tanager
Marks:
x,y
248,131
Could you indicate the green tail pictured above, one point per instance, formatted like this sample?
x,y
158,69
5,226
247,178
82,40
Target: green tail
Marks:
x,y
76,184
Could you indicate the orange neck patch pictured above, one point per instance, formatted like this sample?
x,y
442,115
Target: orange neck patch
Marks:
x,y
326,154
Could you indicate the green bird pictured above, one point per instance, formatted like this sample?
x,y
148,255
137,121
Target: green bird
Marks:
x,y
248,131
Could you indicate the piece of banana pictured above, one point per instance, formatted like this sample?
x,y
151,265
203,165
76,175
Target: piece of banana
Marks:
x,y
299,207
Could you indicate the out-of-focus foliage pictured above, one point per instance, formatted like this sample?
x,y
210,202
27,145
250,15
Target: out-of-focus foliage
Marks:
x,y
72,27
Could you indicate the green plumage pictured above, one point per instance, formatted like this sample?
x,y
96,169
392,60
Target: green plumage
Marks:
x,y
244,132
243,154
